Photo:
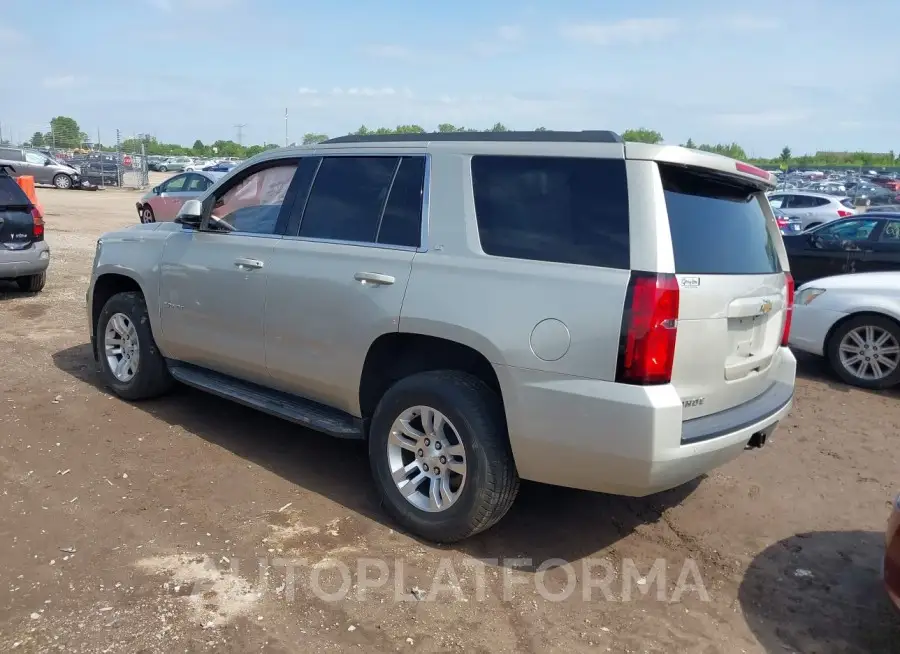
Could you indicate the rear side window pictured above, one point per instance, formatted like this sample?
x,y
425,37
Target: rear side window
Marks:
x,y
718,226
11,194
347,198
561,209
401,223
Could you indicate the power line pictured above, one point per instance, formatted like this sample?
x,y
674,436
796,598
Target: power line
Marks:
x,y
240,133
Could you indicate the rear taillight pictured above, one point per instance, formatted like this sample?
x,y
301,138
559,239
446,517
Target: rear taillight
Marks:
x,y
843,213
781,222
649,327
37,220
788,307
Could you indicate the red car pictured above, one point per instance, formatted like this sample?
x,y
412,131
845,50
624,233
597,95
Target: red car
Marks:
x,y
892,555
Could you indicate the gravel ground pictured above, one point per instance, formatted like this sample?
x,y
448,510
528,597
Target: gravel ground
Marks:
x,y
188,524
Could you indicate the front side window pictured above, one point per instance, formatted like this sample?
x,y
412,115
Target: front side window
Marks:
x,y
35,158
253,204
175,185
558,209
849,230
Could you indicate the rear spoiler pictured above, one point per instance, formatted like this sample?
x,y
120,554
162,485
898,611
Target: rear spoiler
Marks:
x,y
7,168
674,154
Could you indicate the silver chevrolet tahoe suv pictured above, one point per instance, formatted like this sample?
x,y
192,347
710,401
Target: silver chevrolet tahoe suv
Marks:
x,y
560,307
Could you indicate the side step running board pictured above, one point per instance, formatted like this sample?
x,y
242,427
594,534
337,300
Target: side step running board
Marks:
x,y
282,405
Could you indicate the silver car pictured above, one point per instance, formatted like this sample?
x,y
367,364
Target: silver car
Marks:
x,y
44,169
162,203
24,254
562,307
812,208
174,164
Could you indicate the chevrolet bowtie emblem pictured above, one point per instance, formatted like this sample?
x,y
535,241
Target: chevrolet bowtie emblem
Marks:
x,y
766,307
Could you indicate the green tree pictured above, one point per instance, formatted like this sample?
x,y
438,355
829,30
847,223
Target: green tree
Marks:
x,y
642,135
311,138
499,127
37,140
785,155
445,128
690,144
65,133
540,129
198,147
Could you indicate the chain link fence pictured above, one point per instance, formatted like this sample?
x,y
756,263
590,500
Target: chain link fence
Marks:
x,y
111,162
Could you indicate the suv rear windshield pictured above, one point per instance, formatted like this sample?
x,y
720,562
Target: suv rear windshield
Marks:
x,y
560,209
717,223
11,194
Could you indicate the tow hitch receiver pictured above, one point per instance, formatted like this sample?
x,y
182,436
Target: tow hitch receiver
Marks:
x,y
759,438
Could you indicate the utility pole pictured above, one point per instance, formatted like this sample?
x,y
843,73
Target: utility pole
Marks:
x,y
285,127
240,133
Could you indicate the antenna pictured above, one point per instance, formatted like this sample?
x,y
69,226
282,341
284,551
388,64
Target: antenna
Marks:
x,y
240,133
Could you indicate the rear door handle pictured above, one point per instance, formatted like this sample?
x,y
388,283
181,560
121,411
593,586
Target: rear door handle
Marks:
x,y
250,264
376,279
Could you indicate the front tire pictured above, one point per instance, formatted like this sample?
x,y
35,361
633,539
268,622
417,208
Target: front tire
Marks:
x,y
864,351
440,455
62,181
163,169
147,215
32,283
130,363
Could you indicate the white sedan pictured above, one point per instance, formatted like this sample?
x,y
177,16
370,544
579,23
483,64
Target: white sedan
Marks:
x,y
854,322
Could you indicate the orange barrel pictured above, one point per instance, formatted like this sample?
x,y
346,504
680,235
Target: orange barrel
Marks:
x,y
26,182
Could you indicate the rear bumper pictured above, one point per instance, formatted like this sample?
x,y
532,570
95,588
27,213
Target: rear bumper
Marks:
x,y
627,440
20,263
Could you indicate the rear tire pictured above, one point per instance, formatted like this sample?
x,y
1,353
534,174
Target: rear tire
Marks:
x,y
475,421
163,169
881,326
32,283
62,181
150,376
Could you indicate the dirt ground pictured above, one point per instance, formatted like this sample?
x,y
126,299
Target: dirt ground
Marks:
x,y
168,526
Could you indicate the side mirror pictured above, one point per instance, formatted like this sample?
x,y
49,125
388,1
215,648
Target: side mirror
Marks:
x,y
190,214
47,162
155,190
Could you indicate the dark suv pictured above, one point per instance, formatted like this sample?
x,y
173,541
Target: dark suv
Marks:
x,y
24,255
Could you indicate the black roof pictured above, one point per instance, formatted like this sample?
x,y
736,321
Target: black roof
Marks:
x,y
545,136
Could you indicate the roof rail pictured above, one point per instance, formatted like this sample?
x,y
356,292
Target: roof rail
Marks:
x,y
544,136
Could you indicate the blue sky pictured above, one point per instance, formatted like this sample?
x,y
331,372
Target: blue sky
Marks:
x,y
811,74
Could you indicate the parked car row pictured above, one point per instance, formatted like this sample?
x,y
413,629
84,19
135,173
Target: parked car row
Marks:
x,y
185,163
866,189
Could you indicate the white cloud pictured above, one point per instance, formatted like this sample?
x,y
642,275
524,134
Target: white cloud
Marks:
x,y
503,40
511,32
632,31
368,91
9,36
61,82
303,90
388,51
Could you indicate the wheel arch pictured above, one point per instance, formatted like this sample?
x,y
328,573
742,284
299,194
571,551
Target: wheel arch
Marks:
x,y
104,287
396,355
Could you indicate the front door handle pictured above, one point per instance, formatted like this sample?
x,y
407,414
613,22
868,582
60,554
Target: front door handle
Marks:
x,y
249,264
376,279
